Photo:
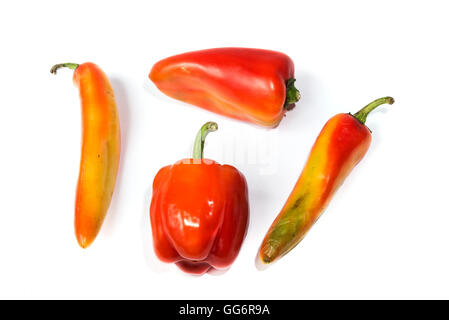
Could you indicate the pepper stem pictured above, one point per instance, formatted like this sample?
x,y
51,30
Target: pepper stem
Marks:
x,y
363,113
198,146
292,94
69,65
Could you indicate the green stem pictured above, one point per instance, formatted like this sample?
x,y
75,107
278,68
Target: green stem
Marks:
x,y
200,137
292,94
363,113
69,65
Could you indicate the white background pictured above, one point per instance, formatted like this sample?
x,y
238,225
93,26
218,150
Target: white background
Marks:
x,y
384,235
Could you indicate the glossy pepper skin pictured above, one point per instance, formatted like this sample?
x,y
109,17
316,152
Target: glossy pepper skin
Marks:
x,y
199,212
252,85
100,151
342,143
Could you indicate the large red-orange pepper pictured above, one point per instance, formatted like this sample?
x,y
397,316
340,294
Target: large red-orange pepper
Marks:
x,y
342,143
199,211
100,150
253,85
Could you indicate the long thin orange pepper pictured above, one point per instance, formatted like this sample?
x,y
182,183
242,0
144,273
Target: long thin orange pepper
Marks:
x,y
100,152
342,143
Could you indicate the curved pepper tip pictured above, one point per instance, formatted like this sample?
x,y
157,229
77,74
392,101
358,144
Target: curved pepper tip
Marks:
x,y
265,259
83,242
267,254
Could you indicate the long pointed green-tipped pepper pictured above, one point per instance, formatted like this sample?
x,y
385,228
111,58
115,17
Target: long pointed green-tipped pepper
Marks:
x,y
342,143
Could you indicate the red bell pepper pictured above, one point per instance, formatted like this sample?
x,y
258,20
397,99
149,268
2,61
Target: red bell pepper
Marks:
x,y
342,143
199,211
252,85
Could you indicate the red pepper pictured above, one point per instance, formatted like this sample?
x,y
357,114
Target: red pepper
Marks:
x,y
199,211
252,85
342,143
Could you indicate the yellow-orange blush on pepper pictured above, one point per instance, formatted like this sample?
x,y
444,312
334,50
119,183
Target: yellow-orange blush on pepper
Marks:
x,y
100,152
342,143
